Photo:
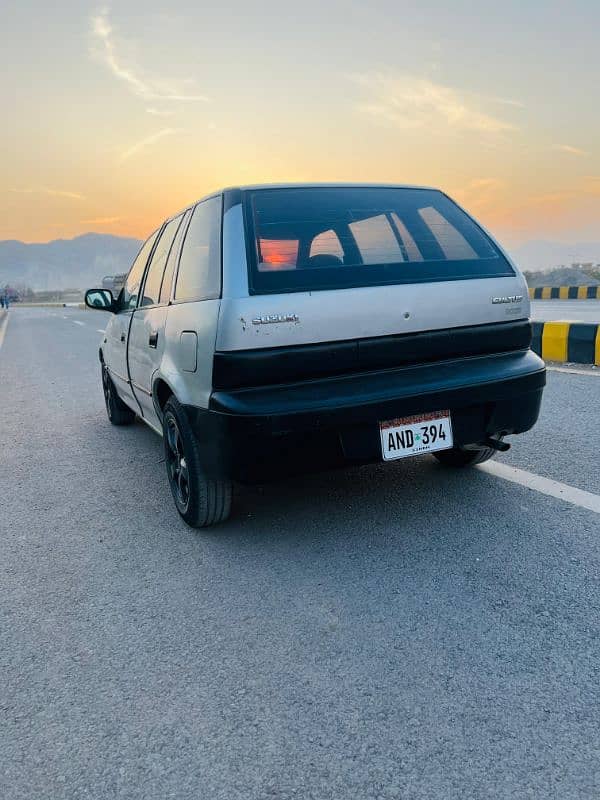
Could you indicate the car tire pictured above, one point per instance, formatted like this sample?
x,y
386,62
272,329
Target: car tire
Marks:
x,y
200,500
461,457
118,413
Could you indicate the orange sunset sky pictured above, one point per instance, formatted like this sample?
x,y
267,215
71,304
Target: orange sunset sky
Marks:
x,y
116,116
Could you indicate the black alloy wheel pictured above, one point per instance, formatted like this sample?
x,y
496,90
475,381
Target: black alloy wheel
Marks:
x,y
177,465
202,498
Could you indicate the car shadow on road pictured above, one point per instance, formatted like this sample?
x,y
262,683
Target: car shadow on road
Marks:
x,y
411,500
410,504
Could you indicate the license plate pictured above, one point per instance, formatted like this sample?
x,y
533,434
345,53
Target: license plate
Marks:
x,y
411,436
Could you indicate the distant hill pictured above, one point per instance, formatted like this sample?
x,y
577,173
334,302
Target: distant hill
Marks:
x,y
544,255
82,262
78,263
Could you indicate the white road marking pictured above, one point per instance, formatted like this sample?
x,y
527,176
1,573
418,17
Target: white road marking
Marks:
x,y
3,327
562,491
76,322
574,371
100,330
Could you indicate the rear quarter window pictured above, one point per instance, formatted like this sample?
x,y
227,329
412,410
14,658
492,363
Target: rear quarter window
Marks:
x,y
199,274
128,296
322,238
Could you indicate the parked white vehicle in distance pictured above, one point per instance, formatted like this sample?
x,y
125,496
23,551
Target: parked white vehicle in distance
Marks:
x,y
267,330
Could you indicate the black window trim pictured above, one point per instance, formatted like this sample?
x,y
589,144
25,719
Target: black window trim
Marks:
x,y
252,267
149,263
156,232
174,301
184,225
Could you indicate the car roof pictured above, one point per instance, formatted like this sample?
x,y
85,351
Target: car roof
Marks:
x,y
314,185
325,185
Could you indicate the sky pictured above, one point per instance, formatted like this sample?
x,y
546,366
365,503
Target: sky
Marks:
x,y
115,116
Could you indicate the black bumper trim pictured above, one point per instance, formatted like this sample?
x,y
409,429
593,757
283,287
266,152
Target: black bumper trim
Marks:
x,y
240,369
409,389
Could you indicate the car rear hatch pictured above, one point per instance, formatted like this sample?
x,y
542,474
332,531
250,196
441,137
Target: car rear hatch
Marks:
x,y
353,279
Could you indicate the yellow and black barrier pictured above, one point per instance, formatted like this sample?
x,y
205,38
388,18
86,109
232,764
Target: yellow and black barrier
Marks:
x,y
564,292
573,342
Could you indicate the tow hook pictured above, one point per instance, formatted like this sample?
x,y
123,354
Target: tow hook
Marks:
x,y
497,444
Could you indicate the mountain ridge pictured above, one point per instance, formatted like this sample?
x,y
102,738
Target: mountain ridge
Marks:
x,y
82,261
75,263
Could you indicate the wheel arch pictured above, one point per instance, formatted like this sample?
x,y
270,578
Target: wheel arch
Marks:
x,y
161,391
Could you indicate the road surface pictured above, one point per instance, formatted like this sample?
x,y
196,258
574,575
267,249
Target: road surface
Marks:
x,y
572,310
397,631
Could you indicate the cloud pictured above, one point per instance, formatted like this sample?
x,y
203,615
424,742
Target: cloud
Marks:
x,y
481,193
591,185
160,112
413,102
142,85
50,192
101,221
507,101
149,140
570,150
477,184
553,198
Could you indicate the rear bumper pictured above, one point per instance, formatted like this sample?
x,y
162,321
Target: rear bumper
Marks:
x,y
486,395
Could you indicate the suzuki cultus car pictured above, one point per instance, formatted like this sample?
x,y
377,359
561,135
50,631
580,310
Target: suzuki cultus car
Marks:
x,y
272,329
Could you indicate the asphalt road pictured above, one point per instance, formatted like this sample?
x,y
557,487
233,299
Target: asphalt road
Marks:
x,y
397,631
572,310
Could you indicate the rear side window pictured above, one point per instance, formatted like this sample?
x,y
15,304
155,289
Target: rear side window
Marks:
x,y
165,289
199,275
327,244
452,243
304,239
156,269
130,291
376,240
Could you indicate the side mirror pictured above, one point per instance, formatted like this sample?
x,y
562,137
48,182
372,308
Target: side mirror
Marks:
x,y
100,299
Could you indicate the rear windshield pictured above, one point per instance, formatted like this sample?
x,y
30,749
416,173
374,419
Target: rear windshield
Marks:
x,y
307,239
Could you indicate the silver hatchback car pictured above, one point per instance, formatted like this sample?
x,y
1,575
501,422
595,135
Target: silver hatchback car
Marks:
x,y
267,330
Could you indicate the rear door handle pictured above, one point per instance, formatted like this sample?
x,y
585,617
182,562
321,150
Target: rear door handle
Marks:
x,y
153,339
122,337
